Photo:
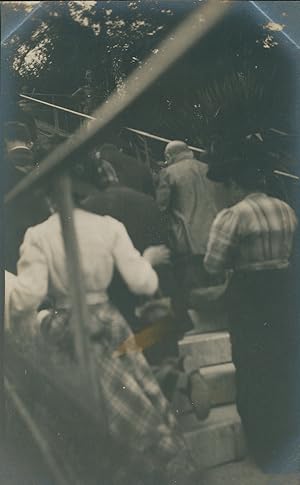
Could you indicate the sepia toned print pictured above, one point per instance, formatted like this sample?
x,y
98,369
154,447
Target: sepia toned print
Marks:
x,y
150,237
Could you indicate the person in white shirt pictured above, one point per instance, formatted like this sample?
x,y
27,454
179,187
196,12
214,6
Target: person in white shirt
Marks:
x,y
139,418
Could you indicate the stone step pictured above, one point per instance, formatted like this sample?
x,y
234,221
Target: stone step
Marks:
x,y
204,322
202,350
217,440
221,383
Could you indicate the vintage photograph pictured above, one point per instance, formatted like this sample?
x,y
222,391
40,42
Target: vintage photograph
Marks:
x,y
150,179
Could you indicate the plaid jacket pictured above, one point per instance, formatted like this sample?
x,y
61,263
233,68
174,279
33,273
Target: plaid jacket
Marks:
x,y
255,234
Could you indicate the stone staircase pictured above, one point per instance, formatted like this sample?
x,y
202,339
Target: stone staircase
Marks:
x,y
219,438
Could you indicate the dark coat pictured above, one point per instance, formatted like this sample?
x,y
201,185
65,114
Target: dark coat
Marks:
x,y
28,209
131,173
145,226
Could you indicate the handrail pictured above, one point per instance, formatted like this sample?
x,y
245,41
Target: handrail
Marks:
x,y
286,174
144,133
169,51
56,106
83,115
160,138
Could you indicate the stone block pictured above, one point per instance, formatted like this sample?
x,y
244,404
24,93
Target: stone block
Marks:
x,y
211,304
221,383
204,322
217,440
205,349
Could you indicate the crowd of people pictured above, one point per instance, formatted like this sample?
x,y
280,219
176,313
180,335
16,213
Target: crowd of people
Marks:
x,y
145,244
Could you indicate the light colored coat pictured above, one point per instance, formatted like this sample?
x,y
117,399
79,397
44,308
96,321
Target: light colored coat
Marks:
x,y
190,201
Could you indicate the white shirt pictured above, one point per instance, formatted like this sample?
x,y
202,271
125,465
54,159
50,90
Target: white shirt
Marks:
x,y
103,243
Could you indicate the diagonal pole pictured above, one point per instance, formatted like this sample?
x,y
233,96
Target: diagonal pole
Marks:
x,y
77,291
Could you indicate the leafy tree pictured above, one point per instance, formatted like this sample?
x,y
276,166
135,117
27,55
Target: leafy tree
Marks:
x,y
240,70
112,38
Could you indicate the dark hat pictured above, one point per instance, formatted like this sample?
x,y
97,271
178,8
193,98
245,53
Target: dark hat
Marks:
x,y
223,170
221,161
230,158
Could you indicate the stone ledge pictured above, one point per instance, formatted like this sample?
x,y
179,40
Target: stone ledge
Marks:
x,y
202,350
203,322
217,440
221,383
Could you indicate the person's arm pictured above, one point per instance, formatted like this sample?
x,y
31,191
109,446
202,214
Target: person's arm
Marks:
x,y
31,283
221,243
135,270
163,192
157,255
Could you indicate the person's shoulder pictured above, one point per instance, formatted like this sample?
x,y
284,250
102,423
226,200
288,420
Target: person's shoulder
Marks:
x,y
261,200
203,167
113,227
281,202
228,216
42,230
251,205
108,222
188,164
102,223
173,169
227,212
285,207
52,221
86,216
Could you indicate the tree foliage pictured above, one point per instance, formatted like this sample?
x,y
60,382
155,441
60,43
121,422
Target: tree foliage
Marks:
x,y
112,38
237,80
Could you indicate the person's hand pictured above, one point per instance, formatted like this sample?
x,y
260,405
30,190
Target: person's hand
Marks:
x,y
157,255
42,315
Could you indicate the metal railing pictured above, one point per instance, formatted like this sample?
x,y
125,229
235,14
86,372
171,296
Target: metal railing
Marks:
x,y
57,125
59,128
